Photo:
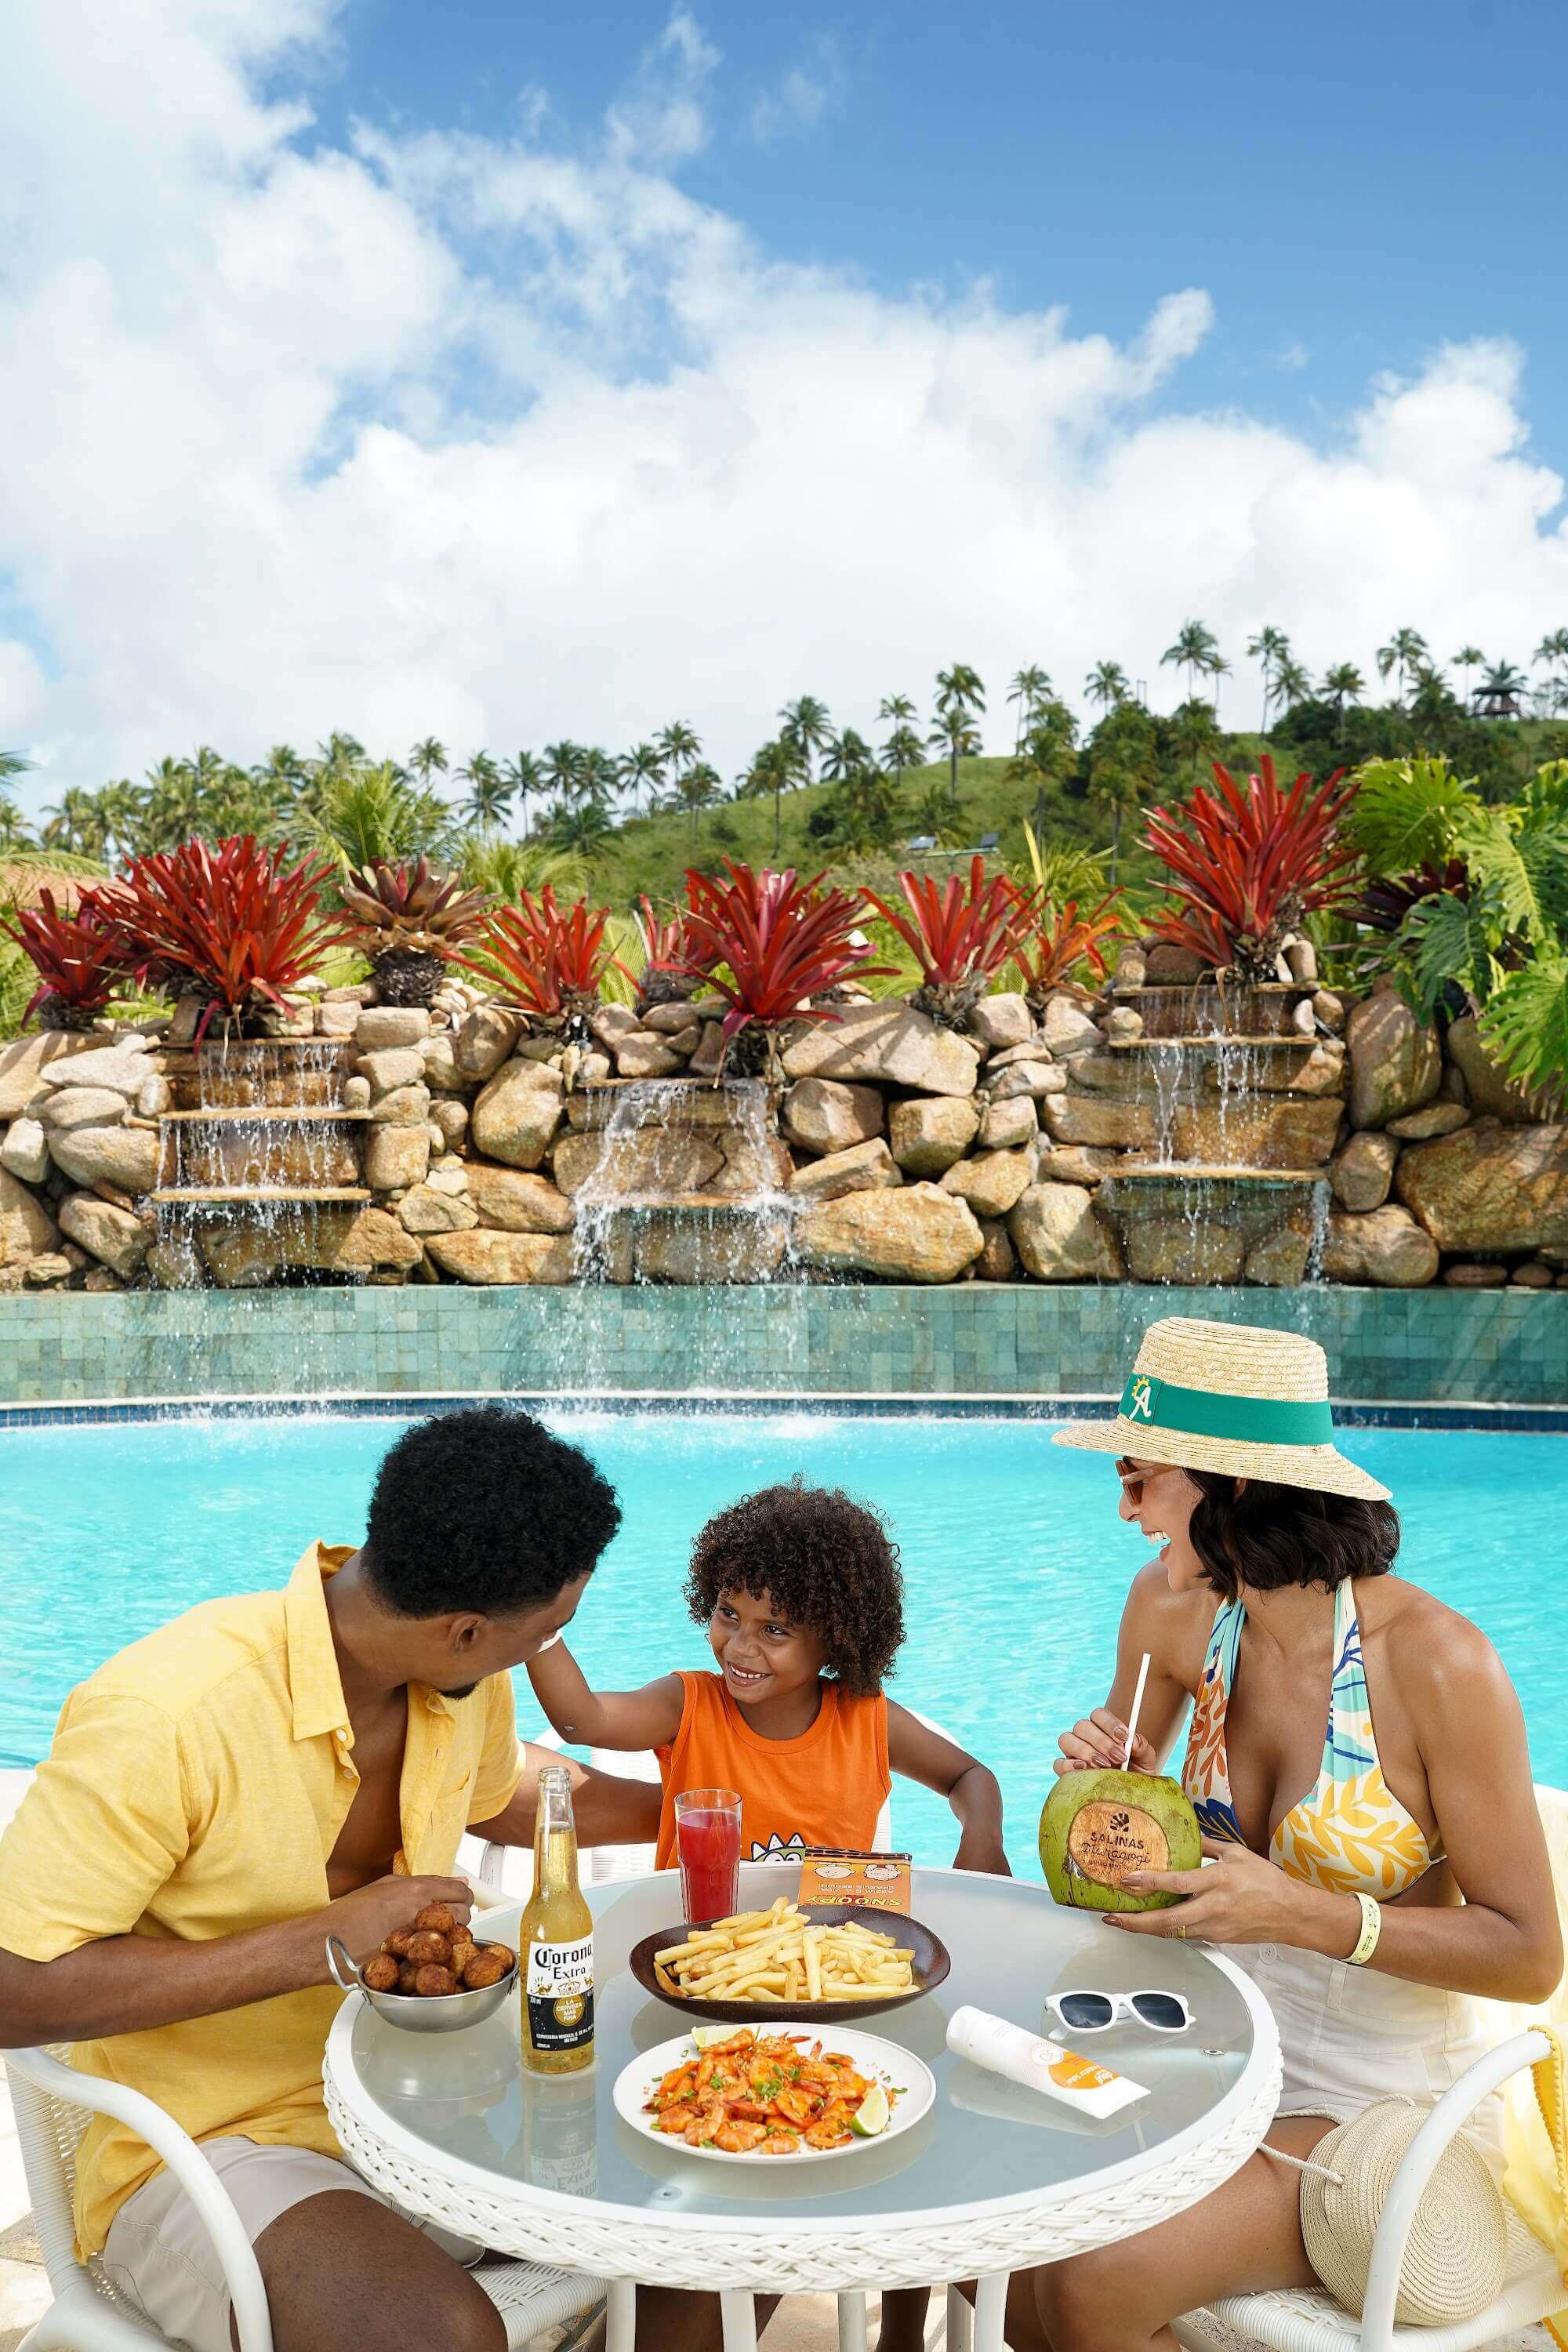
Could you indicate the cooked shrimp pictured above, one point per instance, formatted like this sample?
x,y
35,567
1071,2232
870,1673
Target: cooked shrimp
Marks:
x,y
779,2143
740,2139
676,2118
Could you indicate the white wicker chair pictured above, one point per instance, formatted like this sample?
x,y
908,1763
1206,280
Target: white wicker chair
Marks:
x,y
54,2104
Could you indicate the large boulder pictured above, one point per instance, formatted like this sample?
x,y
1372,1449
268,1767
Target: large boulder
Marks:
x,y
915,1234
331,1239
1492,1186
488,1255
1034,1079
1006,1126
992,1183
733,1248
112,1235
889,1044
999,1262
402,1106
1383,1247
1183,1250
24,1062
864,1168
27,1228
1489,1091
426,1210
380,1025
515,1118
1423,1125
439,1055
1002,1021
516,1204
1069,1027
1278,1261
1273,1131
1316,1069
1362,1169
821,1115
126,1157
642,1054
393,1065
651,1162
1074,1164
68,1106
396,1156
1085,1118
1395,1063
1059,1238
121,1068
485,1040
928,1134
24,1150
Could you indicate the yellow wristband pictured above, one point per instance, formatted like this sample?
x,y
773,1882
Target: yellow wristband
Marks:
x,y
1371,1930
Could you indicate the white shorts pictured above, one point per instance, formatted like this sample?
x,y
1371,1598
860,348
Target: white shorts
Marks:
x,y
159,2255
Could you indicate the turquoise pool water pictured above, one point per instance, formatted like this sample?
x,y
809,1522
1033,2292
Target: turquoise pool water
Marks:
x,y
1014,1559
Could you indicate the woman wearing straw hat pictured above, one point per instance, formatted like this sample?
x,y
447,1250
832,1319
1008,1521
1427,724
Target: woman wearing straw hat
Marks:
x,y
1369,1879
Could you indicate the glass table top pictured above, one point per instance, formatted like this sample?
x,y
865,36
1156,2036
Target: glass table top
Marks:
x,y
466,2093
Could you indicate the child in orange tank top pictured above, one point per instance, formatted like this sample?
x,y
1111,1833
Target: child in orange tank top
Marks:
x,y
800,1591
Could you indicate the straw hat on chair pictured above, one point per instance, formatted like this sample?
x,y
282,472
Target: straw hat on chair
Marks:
x,y
1457,2253
1234,1398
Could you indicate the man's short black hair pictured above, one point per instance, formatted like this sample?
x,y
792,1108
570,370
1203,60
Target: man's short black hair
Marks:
x,y
484,1509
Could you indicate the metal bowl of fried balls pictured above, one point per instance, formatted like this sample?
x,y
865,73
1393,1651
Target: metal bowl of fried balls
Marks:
x,y
431,1978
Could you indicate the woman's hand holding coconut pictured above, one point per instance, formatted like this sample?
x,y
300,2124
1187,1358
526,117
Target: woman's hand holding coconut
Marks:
x,y
1356,1763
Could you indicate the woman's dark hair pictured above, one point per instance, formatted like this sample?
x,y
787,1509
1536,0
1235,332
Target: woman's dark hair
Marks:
x,y
484,1509
825,1564
1268,1536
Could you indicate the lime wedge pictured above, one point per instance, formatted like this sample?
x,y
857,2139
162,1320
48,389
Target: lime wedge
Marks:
x,y
871,2115
705,2036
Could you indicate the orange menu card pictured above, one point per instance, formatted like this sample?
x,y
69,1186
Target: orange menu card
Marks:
x,y
881,1882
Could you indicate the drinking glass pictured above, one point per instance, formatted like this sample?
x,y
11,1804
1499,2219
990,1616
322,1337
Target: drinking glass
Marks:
x,y
708,1846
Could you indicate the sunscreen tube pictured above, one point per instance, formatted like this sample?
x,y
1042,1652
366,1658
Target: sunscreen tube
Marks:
x,y
1039,2062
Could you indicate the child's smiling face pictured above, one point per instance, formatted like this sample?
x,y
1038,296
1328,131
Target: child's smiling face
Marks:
x,y
760,1654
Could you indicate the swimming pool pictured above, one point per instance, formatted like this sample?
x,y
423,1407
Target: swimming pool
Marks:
x,y
1015,1560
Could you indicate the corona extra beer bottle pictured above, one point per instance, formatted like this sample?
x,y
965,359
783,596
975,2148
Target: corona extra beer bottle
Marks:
x,y
557,1941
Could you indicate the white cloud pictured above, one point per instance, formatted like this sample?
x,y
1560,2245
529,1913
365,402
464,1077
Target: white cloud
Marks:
x,y
508,440
805,94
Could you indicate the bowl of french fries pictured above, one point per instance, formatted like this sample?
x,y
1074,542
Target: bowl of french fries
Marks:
x,y
801,1966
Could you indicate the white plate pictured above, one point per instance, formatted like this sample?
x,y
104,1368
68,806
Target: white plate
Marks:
x,y
895,2068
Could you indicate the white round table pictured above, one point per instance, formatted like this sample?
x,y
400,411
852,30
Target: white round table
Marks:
x,y
995,2179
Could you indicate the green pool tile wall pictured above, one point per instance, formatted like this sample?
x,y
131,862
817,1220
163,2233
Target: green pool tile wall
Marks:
x,y
1499,1347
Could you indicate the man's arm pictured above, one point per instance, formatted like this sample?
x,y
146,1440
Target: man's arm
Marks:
x,y
609,1810
128,1983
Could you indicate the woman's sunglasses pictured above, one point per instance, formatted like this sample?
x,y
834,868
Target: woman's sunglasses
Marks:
x,y
1091,2012
1132,1481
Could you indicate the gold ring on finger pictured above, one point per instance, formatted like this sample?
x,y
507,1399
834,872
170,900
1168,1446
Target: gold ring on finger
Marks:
x,y
1183,1934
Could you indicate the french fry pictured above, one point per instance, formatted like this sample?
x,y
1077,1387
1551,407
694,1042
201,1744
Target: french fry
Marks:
x,y
781,1955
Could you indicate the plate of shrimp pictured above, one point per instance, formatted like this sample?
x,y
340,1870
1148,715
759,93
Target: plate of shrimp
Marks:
x,y
737,2095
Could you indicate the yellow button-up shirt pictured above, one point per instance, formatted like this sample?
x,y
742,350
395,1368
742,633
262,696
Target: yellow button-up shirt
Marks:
x,y
195,1787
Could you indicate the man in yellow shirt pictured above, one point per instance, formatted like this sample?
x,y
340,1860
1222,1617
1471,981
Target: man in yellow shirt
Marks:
x,y
258,1775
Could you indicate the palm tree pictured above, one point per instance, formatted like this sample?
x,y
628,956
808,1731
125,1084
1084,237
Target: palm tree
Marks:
x,y
643,764
357,815
954,734
776,767
1196,650
1291,683
1029,689
76,824
1405,649
960,685
1499,692
1270,647
120,805
678,746
847,755
899,710
806,722
490,794
583,829
1195,736
523,775
341,751
1469,657
938,814
695,789
597,776
560,764
427,758
1342,684
1552,651
1048,751
1123,766
16,764
14,831
1106,684
903,748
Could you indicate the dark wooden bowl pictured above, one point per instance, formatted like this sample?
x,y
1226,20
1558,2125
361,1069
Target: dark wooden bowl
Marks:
x,y
929,1968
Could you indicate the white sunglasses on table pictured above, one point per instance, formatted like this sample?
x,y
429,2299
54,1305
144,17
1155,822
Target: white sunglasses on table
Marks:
x,y
1092,2012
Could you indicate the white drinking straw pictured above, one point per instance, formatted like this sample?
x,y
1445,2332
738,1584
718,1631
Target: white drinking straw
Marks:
x,y
1132,1718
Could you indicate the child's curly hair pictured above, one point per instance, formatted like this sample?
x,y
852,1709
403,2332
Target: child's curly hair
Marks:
x,y
826,1562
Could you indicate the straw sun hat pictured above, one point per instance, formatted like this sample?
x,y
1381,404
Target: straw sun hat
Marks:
x,y
1234,1398
1457,2253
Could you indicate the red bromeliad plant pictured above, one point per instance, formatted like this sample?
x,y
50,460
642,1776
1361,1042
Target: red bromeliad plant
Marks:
x,y
666,976
768,943
960,936
1250,863
79,959
546,961
230,924
1060,941
409,919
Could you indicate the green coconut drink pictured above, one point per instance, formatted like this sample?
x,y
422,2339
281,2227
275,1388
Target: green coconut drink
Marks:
x,y
1098,1826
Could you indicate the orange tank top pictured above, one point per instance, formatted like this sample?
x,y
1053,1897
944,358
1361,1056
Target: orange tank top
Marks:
x,y
824,1787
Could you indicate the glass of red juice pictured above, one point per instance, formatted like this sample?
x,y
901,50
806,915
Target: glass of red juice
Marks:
x,y
708,1846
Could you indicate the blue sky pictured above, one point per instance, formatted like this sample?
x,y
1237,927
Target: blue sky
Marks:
x,y
507,373
1352,184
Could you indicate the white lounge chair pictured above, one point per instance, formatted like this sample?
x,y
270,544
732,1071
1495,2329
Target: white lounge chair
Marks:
x,y
54,2104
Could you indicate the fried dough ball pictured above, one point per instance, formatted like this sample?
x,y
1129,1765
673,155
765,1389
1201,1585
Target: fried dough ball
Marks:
x,y
397,1945
431,1980
508,1955
437,1919
427,1950
486,1964
462,1945
408,1976
381,1974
